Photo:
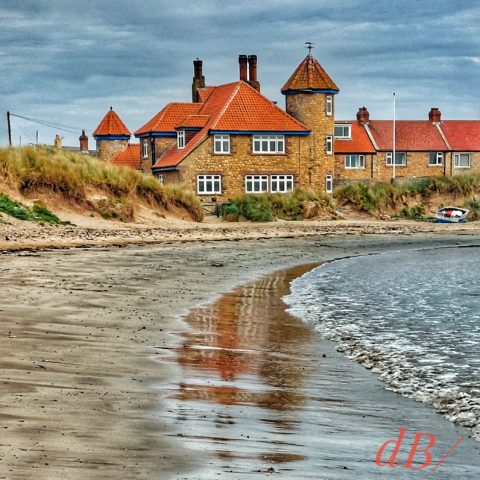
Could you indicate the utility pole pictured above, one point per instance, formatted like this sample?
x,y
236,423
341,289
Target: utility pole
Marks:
x,y
394,153
36,139
9,129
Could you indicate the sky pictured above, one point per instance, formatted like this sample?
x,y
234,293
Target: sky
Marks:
x,y
66,62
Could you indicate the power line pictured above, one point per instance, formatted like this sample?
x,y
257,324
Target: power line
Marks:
x,y
45,123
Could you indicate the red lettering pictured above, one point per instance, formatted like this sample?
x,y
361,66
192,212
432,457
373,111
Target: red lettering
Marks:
x,y
425,451
393,456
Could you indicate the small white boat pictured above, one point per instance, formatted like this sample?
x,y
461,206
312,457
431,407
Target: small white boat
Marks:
x,y
451,215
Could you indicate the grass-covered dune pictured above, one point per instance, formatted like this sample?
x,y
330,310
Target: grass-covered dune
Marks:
x,y
411,200
89,184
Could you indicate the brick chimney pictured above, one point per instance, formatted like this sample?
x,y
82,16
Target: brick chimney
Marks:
x,y
58,142
198,80
252,72
83,142
435,115
363,115
242,60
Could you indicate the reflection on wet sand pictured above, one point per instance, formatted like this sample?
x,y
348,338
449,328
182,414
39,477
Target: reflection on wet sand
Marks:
x,y
244,367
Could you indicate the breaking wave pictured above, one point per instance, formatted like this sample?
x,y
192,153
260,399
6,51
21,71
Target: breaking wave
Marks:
x,y
411,317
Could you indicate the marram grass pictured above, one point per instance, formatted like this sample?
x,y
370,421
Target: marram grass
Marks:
x,y
74,177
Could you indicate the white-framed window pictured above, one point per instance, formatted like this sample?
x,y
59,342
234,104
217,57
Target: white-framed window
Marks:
x,y
161,179
435,158
354,161
342,131
181,139
281,183
328,183
328,105
329,145
256,183
209,184
400,158
145,148
268,143
461,160
221,144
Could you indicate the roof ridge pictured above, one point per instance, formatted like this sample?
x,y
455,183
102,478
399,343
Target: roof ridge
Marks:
x,y
227,103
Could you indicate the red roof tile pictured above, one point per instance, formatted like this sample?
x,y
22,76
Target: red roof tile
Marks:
x,y
205,92
130,157
235,107
169,117
462,135
359,143
411,135
111,125
309,75
198,121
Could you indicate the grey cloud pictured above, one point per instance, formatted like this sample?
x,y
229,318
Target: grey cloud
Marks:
x,y
68,61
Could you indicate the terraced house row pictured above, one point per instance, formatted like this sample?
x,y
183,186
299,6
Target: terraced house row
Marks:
x,y
230,139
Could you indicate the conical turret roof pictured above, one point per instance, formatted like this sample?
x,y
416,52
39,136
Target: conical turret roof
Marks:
x,y
111,125
309,76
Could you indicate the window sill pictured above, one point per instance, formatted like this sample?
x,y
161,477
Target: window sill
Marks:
x,y
223,154
469,166
209,193
354,168
435,166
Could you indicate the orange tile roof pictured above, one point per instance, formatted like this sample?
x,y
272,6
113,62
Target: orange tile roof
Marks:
x,y
130,157
462,135
205,92
169,117
198,121
111,125
410,135
309,75
235,107
359,143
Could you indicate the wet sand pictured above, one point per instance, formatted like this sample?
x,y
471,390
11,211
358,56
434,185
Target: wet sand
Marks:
x,y
91,386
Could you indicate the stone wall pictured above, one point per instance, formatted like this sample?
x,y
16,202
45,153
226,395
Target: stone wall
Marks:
x,y
309,109
357,174
242,161
417,167
107,148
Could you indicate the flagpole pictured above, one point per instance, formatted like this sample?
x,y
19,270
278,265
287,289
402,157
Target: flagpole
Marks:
x,y
394,145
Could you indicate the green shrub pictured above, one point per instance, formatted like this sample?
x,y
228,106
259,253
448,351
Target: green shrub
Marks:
x,y
267,207
38,213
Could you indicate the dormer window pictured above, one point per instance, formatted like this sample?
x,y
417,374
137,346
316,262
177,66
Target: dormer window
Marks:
x,y
343,131
181,139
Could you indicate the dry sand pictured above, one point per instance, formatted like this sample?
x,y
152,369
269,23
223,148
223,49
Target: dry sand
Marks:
x,y
88,359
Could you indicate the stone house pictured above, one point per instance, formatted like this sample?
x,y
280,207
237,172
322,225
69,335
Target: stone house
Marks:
x,y
424,148
230,139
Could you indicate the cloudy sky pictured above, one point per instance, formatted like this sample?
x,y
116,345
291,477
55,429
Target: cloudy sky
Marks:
x,y
67,61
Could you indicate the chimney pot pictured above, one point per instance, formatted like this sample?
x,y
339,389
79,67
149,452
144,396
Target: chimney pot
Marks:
x,y
198,80
252,72
363,115
58,142
242,60
83,142
435,115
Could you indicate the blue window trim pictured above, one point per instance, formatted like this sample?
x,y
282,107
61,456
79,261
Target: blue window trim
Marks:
x,y
256,132
163,169
311,90
111,137
188,129
156,134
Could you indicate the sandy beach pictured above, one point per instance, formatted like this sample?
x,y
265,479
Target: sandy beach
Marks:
x,y
102,376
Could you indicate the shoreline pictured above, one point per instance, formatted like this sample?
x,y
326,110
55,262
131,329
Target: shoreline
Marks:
x,y
20,236
262,392
79,383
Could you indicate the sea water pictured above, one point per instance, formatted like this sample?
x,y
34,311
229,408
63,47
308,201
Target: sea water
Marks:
x,y
411,317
